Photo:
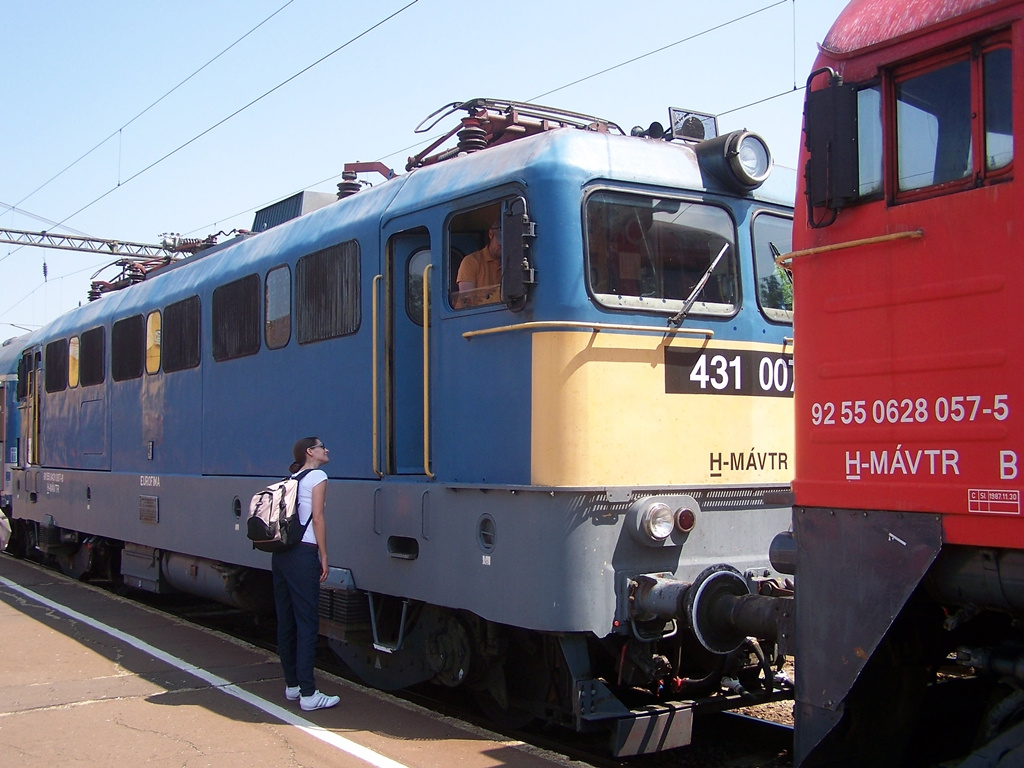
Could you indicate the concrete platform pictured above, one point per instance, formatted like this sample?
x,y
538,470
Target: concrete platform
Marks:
x,y
88,678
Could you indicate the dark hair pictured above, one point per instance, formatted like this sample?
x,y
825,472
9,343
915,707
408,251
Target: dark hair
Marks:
x,y
299,452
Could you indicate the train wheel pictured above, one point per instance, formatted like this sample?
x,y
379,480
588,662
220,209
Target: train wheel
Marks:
x,y
22,539
1001,735
516,688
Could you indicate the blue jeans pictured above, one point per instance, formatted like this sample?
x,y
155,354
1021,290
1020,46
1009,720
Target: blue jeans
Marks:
x,y
296,594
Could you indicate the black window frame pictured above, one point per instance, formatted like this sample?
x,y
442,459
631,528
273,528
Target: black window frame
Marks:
x,y
180,335
56,362
92,357
328,293
237,318
128,348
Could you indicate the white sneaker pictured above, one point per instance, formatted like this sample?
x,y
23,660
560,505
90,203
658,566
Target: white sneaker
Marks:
x,y
318,701
292,692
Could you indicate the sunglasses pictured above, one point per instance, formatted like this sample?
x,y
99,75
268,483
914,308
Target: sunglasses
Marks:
x,y
321,445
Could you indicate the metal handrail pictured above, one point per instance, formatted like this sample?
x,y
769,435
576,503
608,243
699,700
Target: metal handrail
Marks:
x,y
426,371
913,234
374,397
550,325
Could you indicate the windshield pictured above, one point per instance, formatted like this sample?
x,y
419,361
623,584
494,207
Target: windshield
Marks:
x,y
647,252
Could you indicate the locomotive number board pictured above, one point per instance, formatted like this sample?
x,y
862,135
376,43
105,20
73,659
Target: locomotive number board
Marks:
x,y
709,371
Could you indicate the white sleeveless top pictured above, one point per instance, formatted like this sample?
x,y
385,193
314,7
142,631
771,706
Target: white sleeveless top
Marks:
x,y
304,500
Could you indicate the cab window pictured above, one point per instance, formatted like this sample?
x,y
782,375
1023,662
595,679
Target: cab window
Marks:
x,y
773,236
652,253
940,140
474,241
933,126
869,140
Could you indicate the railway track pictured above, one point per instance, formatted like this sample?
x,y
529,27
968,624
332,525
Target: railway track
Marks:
x,y
720,740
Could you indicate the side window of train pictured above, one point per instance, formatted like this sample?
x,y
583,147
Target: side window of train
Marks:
x,y
277,307
327,294
474,269
936,125
127,346
153,342
414,268
24,363
998,94
179,337
651,253
29,365
869,140
56,366
236,319
92,368
74,344
772,237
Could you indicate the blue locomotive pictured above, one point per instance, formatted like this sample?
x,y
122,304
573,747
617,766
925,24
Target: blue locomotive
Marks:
x,y
540,477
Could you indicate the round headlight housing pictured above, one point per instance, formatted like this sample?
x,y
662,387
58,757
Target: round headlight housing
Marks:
x,y
741,159
657,521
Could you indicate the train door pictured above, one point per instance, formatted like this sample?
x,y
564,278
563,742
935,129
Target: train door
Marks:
x,y
29,378
407,328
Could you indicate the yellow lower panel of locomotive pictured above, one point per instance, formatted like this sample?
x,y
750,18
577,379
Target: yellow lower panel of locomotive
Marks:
x,y
601,417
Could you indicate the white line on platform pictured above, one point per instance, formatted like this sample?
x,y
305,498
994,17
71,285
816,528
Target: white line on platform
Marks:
x,y
327,736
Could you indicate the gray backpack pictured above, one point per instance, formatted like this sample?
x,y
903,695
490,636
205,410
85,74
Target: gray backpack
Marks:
x,y
273,524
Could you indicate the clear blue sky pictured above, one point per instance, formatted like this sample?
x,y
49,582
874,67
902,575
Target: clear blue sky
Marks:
x,y
73,74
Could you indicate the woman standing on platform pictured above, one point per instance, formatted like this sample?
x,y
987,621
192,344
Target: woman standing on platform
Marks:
x,y
297,575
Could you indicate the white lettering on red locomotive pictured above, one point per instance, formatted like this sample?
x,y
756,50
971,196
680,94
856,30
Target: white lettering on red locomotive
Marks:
x,y
912,410
902,461
993,502
1007,465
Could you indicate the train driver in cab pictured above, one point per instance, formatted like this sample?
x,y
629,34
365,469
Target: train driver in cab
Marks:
x,y
479,277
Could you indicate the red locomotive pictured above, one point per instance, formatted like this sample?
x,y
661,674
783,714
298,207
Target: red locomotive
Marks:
x,y
910,389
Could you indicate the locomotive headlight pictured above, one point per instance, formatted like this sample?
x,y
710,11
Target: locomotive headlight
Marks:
x,y
740,159
662,521
754,159
657,521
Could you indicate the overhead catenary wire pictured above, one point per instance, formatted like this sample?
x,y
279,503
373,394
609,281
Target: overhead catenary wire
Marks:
x,y
280,85
349,42
239,111
555,90
687,39
15,209
283,83
119,131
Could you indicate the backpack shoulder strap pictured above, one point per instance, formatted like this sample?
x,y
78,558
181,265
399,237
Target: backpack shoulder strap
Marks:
x,y
298,477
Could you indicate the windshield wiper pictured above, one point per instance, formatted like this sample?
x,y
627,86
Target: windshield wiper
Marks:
x,y
776,255
678,317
